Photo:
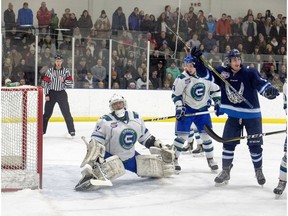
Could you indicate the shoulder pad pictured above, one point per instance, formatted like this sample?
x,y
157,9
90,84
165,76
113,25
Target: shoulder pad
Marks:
x,y
106,117
181,76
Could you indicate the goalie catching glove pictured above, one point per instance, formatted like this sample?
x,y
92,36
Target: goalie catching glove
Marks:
x,y
95,153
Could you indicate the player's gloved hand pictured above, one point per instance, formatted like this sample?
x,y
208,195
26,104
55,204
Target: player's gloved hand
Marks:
x,y
196,52
271,92
217,108
209,102
180,112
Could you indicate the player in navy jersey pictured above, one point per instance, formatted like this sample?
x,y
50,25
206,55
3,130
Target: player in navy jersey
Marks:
x,y
56,80
242,108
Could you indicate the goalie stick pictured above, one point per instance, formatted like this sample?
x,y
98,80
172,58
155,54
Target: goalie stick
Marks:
x,y
97,182
209,66
214,136
169,117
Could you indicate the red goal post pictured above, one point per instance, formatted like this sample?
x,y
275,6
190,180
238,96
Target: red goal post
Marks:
x,y
21,137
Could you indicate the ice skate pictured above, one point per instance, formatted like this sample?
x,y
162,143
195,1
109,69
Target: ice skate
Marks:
x,y
199,151
260,177
84,183
223,177
177,166
280,188
188,147
212,164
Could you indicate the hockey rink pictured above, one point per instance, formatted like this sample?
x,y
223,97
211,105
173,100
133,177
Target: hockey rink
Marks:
x,y
192,192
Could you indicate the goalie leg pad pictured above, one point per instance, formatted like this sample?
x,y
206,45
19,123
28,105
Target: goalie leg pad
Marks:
x,y
153,166
167,155
112,168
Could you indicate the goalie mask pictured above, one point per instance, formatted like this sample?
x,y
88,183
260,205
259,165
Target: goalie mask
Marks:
x,y
118,98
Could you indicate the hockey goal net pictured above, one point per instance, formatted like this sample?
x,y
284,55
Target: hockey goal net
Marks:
x,y
21,137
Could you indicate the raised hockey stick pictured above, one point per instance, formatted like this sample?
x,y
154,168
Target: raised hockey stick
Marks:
x,y
209,66
169,117
97,182
214,136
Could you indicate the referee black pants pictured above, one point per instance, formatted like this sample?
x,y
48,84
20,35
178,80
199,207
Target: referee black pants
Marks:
x,y
61,98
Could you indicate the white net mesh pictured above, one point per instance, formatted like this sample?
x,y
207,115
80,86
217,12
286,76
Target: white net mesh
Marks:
x,y
20,145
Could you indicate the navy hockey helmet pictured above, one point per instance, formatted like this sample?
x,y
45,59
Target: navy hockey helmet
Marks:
x,y
232,54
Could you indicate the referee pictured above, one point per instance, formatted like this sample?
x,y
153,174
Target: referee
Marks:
x,y
56,80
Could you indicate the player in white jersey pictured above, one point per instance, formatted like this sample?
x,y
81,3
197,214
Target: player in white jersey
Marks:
x,y
190,95
111,150
283,165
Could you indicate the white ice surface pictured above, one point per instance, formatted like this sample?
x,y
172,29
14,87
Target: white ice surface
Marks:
x,y
192,192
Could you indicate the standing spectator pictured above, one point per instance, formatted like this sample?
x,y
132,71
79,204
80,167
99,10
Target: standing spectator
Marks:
x,y
43,16
269,15
118,21
85,23
277,30
65,24
25,16
201,27
223,28
249,27
211,24
103,25
56,80
249,13
9,19
54,23
134,20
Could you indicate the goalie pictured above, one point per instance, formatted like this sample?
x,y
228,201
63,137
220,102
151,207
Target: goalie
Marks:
x,y
111,149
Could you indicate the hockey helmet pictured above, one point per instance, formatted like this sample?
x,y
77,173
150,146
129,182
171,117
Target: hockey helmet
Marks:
x,y
117,98
232,54
190,59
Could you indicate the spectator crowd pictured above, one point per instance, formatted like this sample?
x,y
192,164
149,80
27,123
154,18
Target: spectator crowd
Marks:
x,y
260,37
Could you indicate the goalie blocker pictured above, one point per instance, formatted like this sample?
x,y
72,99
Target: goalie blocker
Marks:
x,y
99,173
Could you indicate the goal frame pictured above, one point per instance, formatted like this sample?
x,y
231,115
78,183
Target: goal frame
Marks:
x,y
25,89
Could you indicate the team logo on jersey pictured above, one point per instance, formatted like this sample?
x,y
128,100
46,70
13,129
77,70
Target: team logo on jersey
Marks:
x,y
234,97
128,138
225,74
198,91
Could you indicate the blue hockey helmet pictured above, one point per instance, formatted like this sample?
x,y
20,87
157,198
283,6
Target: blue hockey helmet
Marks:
x,y
190,59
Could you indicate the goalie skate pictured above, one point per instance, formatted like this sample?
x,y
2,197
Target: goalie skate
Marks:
x,y
223,177
279,189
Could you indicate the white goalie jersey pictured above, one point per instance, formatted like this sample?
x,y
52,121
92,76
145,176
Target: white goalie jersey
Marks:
x,y
120,137
194,91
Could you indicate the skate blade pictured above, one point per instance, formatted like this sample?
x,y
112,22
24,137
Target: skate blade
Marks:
x,y
176,172
201,154
214,171
277,196
224,183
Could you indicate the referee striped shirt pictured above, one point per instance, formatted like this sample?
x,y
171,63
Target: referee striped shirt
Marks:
x,y
52,81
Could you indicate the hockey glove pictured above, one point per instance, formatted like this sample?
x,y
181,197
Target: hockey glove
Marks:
x,y
196,52
217,108
180,112
271,92
209,102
